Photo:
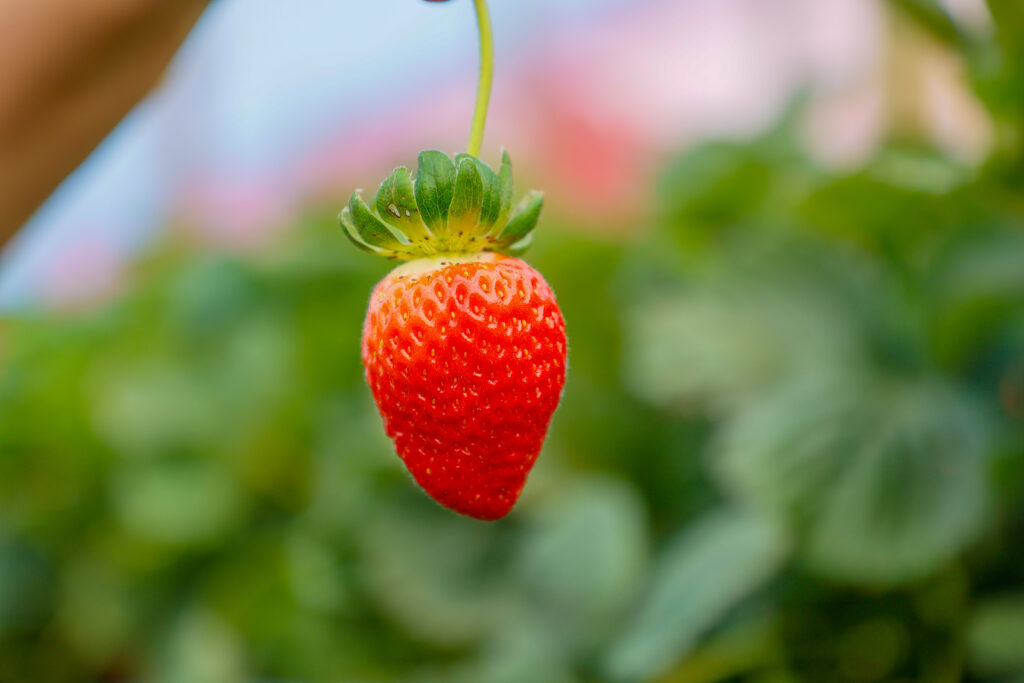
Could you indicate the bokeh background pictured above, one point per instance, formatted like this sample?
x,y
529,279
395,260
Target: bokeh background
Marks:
x,y
788,240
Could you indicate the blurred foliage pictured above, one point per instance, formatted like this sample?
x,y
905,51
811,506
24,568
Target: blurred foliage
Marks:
x,y
791,448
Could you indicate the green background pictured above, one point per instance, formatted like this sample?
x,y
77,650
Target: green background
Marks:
x,y
791,446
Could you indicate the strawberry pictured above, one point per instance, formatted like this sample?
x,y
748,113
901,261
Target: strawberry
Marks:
x,y
464,345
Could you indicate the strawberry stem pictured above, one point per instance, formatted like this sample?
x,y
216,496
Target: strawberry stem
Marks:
x,y
483,92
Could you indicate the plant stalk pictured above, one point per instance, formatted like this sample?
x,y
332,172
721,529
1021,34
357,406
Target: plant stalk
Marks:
x,y
483,92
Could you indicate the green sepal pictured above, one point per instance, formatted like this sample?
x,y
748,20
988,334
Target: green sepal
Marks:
x,y
371,229
506,188
450,207
490,207
352,233
396,205
467,202
519,247
524,220
434,189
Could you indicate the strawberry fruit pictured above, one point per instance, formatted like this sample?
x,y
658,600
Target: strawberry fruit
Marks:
x,y
464,345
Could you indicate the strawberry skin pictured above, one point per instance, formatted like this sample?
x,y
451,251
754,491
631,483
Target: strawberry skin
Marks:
x,y
466,359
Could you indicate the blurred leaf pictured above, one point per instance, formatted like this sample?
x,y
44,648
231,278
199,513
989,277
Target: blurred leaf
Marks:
x,y
26,585
315,574
720,190
419,566
96,612
739,648
207,297
735,330
717,349
1008,16
887,481
979,293
699,577
150,407
933,16
201,648
873,648
522,654
897,206
995,637
715,184
178,501
583,555
521,651
253,368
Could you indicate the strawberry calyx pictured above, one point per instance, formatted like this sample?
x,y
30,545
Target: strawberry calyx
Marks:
x,y
449,208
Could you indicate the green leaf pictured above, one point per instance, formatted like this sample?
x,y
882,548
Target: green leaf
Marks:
x,y
933,17
585,551
727,345
467,203
714,185
524,220
506,188
435,187
200,646
418,563
995,637
979,289
396,204
885,482
703,573
520,247
1008,18
372,230
181,503
352,232
490,206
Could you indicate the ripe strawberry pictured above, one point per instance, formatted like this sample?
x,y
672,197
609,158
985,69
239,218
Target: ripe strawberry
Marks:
x,y
464,347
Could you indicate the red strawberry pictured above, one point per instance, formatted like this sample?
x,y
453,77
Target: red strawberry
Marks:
x,y
466,361
464,348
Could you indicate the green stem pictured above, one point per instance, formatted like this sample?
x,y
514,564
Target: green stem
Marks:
x,y
483,92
